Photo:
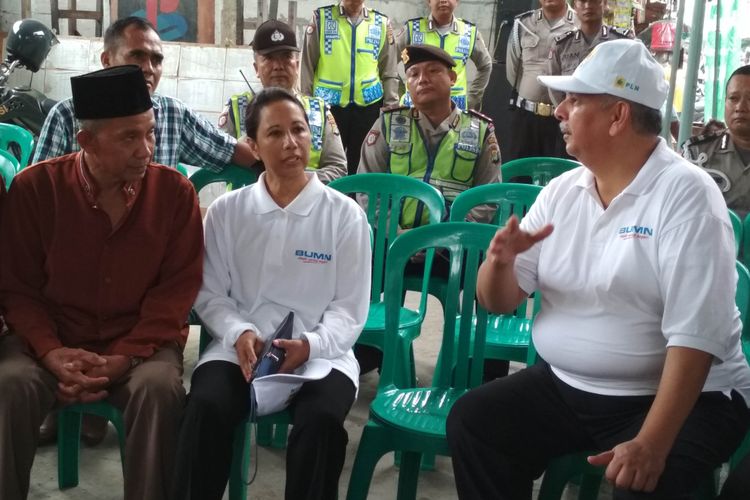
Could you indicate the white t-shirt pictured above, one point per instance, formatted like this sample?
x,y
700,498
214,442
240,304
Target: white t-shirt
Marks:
x,y
655,269
262,261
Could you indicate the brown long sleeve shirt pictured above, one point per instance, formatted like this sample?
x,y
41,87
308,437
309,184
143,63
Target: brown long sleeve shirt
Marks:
x,y
69,279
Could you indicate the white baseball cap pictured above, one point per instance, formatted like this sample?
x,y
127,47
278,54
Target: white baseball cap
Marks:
x,y
622,68
274,392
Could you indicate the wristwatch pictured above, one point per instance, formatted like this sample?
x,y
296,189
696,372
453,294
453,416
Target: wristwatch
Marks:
x,y
135,361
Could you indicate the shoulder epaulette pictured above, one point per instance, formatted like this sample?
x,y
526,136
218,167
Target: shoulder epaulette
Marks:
x,y
565,35
525,14
395,107
466,22
378,12
623,32
412,20
479,115
701,138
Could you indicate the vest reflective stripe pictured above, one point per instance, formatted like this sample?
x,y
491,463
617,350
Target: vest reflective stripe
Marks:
x,y
239,104
450,169
315,108
459,45
347,70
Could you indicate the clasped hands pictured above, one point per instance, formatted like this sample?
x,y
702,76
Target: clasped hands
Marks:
x,y
83,376
249,347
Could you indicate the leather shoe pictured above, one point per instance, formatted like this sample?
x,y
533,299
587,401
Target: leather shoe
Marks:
x,y
93,429
48,430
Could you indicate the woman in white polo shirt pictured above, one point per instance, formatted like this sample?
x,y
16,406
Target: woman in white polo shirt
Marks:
x,y
286,243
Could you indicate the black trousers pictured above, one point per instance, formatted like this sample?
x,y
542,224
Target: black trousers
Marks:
x,y
534,135
354,122
219,401
503,434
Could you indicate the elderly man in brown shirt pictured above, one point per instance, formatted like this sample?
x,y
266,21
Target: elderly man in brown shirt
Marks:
x,y
100,261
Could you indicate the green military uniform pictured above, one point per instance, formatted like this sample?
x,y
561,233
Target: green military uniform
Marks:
x,y
456,154
569,49
729,167
327,157
463,42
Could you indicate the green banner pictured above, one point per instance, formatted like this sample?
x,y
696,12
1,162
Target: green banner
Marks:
x,y
721,47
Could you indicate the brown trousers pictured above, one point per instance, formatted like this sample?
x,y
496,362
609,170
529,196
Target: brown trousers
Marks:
x,y
151,397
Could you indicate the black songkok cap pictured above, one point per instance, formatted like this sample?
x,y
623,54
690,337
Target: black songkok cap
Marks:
x,y
110,93
413,54
273,36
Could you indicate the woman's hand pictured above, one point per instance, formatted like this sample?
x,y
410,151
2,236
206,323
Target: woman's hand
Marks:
x,y
297,353
248,348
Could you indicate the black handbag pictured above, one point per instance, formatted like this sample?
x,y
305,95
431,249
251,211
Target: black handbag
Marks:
x,y
272,357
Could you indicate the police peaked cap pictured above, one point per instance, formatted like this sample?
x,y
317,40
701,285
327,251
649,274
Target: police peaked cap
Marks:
x,y
110,93
414,54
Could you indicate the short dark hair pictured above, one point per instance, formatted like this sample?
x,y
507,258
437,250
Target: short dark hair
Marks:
x,y
741,71
645,120
262,99
115,30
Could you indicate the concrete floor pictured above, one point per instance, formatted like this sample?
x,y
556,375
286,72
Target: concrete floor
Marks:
x,y
101,473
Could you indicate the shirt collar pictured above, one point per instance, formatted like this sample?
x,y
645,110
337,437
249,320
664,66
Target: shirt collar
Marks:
x,y
451,121
90,189
364,12
432,25
302,205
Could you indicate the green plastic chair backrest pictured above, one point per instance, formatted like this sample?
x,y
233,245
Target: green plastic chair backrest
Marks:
x,y
540,169
738,230
385,194
182,169
466,243
742,299
510,199
10,134
8,167
234,176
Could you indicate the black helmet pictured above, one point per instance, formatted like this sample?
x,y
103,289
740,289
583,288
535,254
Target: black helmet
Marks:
x,y
29,41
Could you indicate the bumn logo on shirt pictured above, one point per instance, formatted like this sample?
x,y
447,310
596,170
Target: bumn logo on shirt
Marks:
x,y
635,232
311,257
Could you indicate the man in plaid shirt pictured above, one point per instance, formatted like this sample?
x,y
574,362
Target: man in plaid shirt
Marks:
x,y
181,135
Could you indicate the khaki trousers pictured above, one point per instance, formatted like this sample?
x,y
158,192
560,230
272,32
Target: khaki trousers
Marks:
x,y
151,397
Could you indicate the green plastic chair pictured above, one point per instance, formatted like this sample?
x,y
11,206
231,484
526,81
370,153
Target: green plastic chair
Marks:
x,y
745,254
404,417
738,230
8,167
13,134
540,170
69,437
569,467
508,335
233,175
386,194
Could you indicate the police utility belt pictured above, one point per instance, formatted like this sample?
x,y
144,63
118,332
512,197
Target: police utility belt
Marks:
x,y
538,108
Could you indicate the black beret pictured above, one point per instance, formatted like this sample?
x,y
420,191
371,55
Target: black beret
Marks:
x,y
273,36
413,54
110,93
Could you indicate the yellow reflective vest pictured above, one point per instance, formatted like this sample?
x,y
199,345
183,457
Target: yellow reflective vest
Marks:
x,y
450,168
347,71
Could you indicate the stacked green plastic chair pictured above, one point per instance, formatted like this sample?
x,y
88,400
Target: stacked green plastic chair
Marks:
x,y
386,194
404,417
536,170
23,139
8,167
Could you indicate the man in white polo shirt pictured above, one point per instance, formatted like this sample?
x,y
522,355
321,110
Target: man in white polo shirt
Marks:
x,y
640,339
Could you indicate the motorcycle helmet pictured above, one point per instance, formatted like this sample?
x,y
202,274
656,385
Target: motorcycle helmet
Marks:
x,y
29,41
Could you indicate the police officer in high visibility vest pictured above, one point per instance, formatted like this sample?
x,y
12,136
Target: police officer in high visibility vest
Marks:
x,y
349,59
276,63
434,140
461,40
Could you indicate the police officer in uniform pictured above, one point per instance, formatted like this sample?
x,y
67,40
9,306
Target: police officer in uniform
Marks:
x,y
725,154
277,65
349,59
461,40
437,142
534,130
569,49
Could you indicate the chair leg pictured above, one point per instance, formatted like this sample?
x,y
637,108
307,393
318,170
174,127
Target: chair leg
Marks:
x,y
68,443
264,434
408,475
241,450
372,446
280,434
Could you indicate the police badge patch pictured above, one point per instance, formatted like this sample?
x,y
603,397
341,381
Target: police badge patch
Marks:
x,y
372,137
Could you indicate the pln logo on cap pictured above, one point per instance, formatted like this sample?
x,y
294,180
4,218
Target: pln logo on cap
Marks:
x,y
277,36
622,83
